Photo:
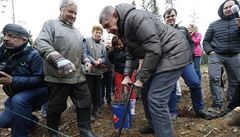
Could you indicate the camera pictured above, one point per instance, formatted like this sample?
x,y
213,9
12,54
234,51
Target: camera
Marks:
x,y
5,68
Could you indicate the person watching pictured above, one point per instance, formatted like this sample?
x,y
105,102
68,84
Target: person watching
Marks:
x,y
22,77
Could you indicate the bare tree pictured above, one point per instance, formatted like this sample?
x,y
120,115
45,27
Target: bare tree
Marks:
x,y
193,17
151,6
134,3
5,5
169,3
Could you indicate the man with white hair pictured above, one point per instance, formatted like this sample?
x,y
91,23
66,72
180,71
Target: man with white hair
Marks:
x,y
61,45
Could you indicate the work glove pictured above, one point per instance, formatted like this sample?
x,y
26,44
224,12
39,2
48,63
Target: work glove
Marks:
x,y
64,66
88,67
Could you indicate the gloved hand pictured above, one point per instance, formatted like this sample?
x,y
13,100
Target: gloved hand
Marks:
x,y
88,67
63,65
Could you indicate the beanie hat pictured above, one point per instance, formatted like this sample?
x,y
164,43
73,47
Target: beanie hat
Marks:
x,y
16,29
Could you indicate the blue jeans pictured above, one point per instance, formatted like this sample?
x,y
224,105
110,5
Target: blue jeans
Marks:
x,y
192,81
197,63
17,113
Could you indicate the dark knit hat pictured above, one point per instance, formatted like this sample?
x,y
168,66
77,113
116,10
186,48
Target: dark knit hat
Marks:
x,y
16,29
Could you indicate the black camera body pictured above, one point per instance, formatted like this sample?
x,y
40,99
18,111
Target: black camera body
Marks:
x,y
5,68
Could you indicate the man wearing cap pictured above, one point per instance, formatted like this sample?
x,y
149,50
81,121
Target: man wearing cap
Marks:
x,y
21,74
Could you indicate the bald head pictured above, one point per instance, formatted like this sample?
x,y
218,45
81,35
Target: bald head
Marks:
x,y
106,13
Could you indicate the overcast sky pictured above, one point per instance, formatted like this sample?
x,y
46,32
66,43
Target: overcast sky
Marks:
x,y
32,13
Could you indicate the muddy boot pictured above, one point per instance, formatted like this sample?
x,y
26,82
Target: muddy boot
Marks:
x,y
85,130
132,106
83,119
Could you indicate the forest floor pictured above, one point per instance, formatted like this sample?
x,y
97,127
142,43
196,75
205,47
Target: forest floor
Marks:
x,y
186,125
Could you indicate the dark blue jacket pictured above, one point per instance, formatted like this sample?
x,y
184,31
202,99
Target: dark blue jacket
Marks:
x,y
223,35
25,65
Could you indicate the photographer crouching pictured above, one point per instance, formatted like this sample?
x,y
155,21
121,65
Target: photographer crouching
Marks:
x,y
21,74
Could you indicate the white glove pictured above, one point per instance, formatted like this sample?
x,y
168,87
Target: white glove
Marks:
x,y
65,66
88,67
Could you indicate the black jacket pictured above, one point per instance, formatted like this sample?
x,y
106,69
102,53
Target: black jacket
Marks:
x,y
118,58
223,35
188,36
162,47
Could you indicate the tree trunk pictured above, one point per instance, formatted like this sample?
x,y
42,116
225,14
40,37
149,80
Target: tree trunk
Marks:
x,y
233,117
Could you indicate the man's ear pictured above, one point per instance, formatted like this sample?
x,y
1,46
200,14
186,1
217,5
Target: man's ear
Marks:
x,y
115,15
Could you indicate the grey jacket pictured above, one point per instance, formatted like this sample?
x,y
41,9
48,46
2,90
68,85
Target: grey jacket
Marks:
x,y
95,51
162,47
68,41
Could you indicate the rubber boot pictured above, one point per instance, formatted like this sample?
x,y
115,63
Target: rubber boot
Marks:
x,y
95,111
85,130
53,121
83,119
132,106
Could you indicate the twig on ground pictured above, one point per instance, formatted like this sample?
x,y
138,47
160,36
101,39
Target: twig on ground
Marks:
x,y
210,132
182,133
63,126
76,135
96,125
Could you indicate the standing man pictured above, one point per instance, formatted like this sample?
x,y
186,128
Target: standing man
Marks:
x,y
21,74
189,74
165,52
222,45
61,45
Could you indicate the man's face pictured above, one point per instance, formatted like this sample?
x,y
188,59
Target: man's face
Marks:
x,y
12,41
110,24
97,35
170,18
227,8
69,14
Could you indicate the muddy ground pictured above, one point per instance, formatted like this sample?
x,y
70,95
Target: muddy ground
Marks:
x,y
187,125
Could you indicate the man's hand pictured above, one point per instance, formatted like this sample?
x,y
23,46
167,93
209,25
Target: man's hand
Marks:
x,y
64,66
212,52
139,84
5,79
126,81
237,21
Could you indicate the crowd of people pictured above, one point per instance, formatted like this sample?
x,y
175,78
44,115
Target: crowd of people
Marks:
x,y
144,52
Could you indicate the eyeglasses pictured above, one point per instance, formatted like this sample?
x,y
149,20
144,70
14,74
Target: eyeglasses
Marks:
x,y
10,35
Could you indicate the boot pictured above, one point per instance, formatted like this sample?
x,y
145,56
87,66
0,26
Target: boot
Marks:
x,y
85,130
53,134
148,129
53,121
95,112
132,106
203,114
83,119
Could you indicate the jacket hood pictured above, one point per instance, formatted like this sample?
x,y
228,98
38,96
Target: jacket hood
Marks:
x,y
123,9
222,16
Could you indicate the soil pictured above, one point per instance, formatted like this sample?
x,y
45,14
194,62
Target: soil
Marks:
x,y
186,125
